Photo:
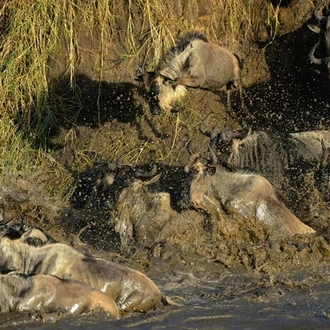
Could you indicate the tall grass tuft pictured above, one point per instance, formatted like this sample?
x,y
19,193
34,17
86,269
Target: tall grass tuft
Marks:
x,y
34,32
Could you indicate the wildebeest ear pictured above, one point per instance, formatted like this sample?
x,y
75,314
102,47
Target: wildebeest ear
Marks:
x,y
138,78
9,231
170,82
211,169
3,230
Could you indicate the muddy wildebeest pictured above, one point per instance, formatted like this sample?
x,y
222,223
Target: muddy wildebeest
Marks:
x,y
270,154
36,237
48,294
104,183
221,143
323,29
130,289
252,196
193,62
144,215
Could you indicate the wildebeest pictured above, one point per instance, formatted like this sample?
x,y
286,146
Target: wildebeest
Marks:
x,y
130,289
144,215
279,158
193,62
323,29
37,236
213,189
48,294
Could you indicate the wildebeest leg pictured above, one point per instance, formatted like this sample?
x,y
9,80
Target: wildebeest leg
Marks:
x,y
135,303
229,101
231,111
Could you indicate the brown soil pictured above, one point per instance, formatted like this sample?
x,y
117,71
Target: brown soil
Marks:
x,y
109,121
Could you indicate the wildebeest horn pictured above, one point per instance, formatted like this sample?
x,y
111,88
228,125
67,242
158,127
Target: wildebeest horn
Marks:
x,y
146,174
317,13
202,128
211,134
22,227
213,155
142,71
228,134
4,221
3,215
190,151
315,60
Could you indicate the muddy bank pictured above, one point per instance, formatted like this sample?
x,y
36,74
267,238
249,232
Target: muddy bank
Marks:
x,y
214,264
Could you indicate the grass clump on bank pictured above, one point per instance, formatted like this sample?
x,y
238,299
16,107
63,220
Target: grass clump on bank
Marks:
x,y
42,41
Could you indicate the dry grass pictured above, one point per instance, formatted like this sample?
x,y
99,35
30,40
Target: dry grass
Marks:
x,y
35,31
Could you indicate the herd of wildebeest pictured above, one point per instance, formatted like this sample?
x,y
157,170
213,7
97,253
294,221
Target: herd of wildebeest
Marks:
x,y
39,274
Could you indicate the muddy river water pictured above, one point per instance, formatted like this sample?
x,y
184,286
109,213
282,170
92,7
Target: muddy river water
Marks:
x,y
237,301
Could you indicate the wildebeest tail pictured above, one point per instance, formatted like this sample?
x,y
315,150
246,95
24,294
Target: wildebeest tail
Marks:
x,y
241,61
166,301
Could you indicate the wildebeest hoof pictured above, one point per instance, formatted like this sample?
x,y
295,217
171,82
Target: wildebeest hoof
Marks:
x,y
177,109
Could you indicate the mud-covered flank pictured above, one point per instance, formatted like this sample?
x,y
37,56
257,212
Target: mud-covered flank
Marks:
x,y
128,195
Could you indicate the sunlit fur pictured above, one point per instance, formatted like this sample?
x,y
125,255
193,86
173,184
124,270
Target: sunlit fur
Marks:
x,y
168,94
46,293
196,63
249,195
132,290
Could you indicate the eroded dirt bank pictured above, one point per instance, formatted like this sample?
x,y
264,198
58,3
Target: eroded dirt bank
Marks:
x,y
144,225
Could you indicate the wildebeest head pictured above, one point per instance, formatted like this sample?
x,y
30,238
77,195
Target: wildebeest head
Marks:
x,y
199,166
162,91
7,228
221,144
323,29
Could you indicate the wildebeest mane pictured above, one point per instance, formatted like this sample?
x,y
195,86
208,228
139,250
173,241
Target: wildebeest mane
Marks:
x,y
181,45
12,287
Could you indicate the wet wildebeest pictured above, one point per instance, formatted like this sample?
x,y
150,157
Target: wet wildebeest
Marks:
x,y
37,236
103,183
221,143
323,29
252,196
279,158
144,216
193,62
48,294
130,289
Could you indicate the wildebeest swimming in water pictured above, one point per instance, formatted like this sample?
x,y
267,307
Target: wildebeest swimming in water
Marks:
x,y
48,294
193,62
130,289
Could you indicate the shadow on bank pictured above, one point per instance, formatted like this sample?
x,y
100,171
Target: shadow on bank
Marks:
x,y
297,97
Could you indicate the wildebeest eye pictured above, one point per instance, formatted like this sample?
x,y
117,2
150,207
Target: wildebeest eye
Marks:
x,y
211,170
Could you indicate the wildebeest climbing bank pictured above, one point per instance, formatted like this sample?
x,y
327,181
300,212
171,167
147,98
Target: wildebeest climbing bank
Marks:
x,y
210,214
193,62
